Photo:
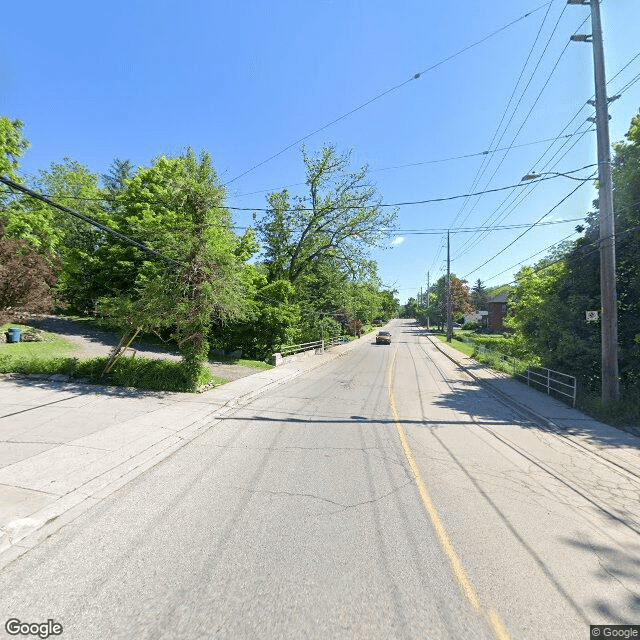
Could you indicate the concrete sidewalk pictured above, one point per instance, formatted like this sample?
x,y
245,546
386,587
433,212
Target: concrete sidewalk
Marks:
x,y
621,448
64,447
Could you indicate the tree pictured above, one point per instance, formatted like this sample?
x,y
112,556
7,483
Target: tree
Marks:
x,y
12,145
479,296
340,218
26,279
626,180
26,276
411,309
389,304
270,320
177,207
460,298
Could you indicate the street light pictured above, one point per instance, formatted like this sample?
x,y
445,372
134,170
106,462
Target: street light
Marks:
x,y
535,176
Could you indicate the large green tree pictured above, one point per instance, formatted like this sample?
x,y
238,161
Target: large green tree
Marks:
x,y
626,179
479,296
550,300
341,218
177,208
12,145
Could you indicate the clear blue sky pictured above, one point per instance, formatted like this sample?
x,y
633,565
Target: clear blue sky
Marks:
x,y
133,80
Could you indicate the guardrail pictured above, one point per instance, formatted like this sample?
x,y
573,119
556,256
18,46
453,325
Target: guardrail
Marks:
x,y
560,383
289,350
335,341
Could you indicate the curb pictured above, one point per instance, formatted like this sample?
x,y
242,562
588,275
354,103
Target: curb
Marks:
x,y
541,420
23,534
497,392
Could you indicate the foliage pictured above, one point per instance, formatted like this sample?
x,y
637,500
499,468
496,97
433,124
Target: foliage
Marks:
x,y
26,279
270,320
548,316
460,299
12,145
139,373
626,178
411,309
340,218
177,207
550,300
479,296
319,244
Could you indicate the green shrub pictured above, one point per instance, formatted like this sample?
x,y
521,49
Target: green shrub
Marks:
x,y
625,411
140,373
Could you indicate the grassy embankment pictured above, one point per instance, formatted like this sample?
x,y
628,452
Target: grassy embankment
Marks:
x,y
625,412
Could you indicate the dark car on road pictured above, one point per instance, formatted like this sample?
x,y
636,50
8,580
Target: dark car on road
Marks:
x,y
383,337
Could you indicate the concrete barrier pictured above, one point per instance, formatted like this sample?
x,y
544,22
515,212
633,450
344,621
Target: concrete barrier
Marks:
x,y
277,358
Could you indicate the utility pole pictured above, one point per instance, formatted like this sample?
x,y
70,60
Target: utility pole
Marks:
x,y
428,289
449,310
609,321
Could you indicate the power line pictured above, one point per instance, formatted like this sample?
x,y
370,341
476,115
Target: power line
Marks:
x,y
428,200
489,151
535,102
386,92
485,163
439,231
517,264
498,217
32,194
527,230
471,243
584,255
423,162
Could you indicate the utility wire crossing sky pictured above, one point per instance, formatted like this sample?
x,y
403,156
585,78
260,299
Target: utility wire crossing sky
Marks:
x,y
122,80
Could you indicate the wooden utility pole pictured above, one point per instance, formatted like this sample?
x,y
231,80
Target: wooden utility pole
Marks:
x,y
609,321
449,301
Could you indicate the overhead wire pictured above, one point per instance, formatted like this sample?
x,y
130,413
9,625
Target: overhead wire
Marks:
x,y
103,227
619,237
485,162
535,102
518,198
494,256
577,132
521,197
616,234
386,92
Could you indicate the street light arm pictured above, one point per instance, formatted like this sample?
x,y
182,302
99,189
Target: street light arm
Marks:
x,y
556,174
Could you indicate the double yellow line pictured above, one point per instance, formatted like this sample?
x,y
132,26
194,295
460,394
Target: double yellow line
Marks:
x,y
469,591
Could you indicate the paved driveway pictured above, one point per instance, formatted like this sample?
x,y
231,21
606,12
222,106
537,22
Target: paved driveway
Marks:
x,y
90,341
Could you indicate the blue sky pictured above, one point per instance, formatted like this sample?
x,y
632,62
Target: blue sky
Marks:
x,y
133,80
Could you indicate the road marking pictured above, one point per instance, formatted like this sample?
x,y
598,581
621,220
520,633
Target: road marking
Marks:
x,y
469,591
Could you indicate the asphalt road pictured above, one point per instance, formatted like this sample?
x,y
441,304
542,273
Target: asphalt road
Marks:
x,y
382,495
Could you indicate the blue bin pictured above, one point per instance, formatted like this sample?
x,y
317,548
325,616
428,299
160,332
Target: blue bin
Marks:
x,y
14,334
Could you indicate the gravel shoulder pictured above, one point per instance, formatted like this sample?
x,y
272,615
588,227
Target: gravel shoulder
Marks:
x,y
90,342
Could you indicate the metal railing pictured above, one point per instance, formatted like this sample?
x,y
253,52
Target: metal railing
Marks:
x,y
336,340
304,346
560,383
553,381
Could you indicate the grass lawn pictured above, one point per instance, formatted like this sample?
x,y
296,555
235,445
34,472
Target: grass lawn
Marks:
x,y
55,355
463,347
52,346
243,362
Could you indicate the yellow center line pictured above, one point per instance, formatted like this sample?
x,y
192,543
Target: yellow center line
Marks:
x,y
469,591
